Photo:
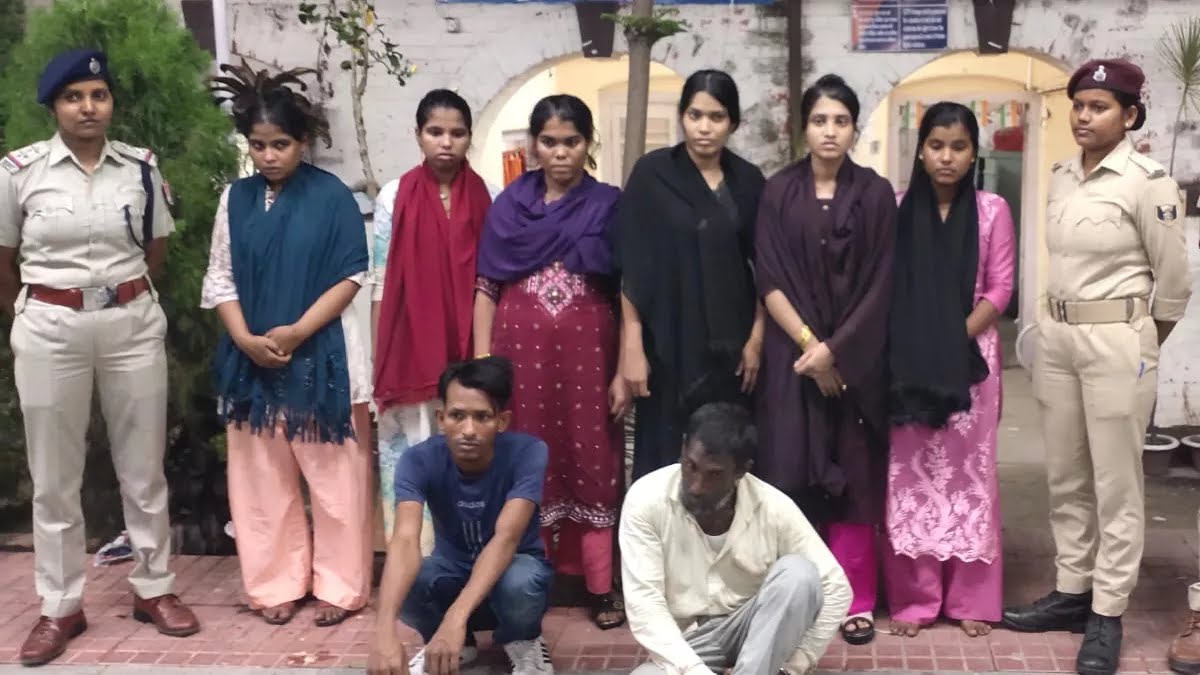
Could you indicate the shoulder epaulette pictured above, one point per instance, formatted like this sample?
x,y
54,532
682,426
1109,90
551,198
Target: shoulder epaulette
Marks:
x,y
1152,168
19,159
134,152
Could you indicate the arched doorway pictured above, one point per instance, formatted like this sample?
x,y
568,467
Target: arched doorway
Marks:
x,y
1021,103
602,84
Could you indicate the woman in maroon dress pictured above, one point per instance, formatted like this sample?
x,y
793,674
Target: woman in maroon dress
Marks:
x,y
824,238
547,300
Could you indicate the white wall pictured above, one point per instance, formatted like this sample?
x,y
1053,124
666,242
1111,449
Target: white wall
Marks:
x,y
485,51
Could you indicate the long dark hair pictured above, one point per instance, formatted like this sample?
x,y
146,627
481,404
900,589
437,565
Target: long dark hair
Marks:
x,y
258,97
567,108
442,98
932,360
717,84
945,114
833,87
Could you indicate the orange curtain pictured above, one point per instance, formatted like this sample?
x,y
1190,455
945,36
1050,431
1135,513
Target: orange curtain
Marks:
x,y
514,164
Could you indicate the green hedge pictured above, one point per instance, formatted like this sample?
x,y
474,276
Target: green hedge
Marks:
x,y
161,103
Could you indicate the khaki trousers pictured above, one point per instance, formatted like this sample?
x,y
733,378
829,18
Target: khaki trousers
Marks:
x,y
1095,385
61,355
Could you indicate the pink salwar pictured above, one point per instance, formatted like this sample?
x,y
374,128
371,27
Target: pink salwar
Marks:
x,y
853,545
582,550
919,590
280,560
943,505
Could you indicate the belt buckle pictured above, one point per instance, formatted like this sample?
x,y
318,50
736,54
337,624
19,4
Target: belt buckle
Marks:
x,y
98,297
1059,307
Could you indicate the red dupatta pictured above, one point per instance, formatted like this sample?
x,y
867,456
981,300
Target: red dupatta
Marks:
x,y
429,290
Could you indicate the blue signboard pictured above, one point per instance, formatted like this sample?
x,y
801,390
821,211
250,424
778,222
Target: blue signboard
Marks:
x,y
899,25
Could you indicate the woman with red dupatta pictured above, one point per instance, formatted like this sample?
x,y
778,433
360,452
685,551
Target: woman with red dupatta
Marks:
x,y
427,227
547,301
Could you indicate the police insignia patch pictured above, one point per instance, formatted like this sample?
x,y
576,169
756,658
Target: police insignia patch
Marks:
x,y
166,190
1166,213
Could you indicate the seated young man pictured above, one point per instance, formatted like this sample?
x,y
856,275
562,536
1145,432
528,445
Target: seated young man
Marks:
x,y
721,571
488,570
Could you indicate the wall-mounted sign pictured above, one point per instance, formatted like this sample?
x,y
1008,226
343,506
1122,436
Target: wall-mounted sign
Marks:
x,y
899,25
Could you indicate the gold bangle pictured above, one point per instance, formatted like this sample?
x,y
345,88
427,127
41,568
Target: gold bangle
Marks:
x,y
481,356
806,336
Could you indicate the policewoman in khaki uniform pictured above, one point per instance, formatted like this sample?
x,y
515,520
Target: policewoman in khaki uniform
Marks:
x,y
1115,234
88,217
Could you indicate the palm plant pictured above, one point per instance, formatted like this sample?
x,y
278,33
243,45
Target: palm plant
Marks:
x,y
1180,51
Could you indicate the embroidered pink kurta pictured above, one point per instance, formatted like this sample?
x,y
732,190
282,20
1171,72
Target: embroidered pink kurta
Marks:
x,y
943,497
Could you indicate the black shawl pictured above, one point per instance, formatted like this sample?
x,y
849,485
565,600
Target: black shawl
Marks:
x,y
933,362
685,265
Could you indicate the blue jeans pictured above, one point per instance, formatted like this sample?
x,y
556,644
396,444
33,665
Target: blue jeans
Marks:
x,y
513,610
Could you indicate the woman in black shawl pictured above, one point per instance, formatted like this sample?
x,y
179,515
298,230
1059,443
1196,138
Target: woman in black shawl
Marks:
x,y
825,236
691,328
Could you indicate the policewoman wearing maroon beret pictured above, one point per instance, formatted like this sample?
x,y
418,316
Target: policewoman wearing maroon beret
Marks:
x,y
1114,231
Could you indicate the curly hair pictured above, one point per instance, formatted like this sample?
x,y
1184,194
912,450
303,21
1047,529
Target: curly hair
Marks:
x,y
258,97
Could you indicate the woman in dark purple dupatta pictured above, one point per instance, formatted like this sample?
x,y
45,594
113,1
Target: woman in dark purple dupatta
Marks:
x,y
824,242
547,300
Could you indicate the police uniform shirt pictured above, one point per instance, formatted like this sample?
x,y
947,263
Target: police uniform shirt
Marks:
x,y
73,230
1118,233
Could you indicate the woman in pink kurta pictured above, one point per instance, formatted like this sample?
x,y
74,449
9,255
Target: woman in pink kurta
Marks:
x,y
943,511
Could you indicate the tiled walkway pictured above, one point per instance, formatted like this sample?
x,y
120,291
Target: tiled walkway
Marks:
x,y
234,637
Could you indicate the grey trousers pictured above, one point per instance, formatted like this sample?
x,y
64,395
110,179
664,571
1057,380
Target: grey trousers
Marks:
x,y
759,637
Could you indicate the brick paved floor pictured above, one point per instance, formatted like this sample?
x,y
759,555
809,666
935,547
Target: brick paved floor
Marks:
x,y
232,636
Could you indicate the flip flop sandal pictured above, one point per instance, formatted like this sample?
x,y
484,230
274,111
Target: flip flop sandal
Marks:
x,y
285,617
858,630
609,603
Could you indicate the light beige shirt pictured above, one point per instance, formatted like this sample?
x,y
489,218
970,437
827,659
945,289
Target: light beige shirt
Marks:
x,y
671,575
71,228
1118,233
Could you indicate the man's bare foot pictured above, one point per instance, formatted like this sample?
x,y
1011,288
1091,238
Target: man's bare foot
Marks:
x,y
279,614
904,628
975,628
330,615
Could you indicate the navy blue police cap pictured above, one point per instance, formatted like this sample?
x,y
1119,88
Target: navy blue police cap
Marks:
x,y
71,67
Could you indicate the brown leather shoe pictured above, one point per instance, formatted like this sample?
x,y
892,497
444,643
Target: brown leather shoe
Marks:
x,y
168,614
49,637
1184,656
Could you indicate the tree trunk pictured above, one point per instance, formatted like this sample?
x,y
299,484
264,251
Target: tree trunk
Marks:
x,y
358,86
637,100
1175,133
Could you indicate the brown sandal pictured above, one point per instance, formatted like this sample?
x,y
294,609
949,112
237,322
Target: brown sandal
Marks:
x,y
289,612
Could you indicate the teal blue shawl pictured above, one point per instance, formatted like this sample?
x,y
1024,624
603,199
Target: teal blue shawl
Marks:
x,y
284,259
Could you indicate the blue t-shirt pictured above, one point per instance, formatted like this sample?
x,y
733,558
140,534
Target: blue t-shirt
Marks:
x,y
465,508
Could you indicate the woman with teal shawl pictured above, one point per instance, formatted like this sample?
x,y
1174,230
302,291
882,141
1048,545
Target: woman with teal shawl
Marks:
x,y
289,254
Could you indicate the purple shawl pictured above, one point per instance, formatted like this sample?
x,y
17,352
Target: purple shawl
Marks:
x,y
523,234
